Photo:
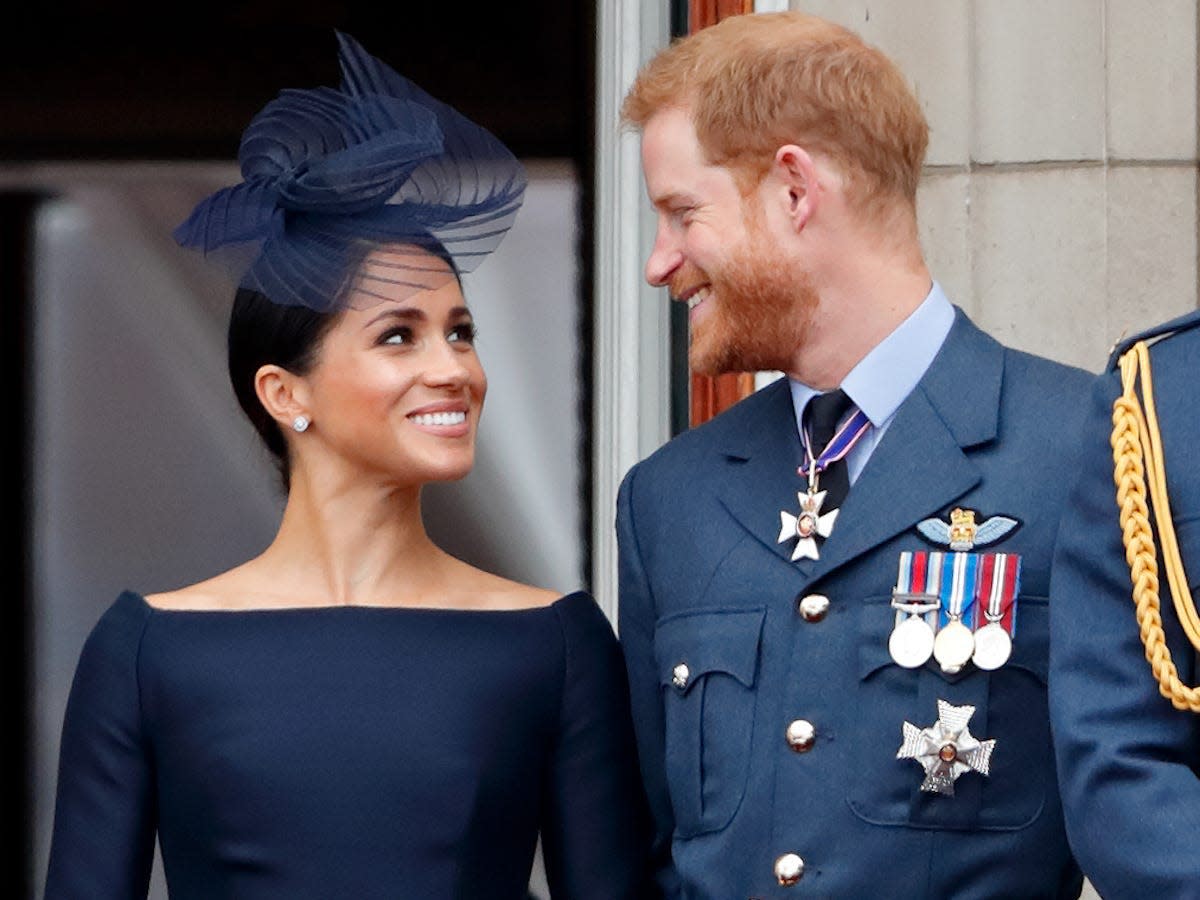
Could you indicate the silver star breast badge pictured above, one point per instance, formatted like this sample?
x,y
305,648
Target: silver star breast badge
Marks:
x,y
808,526
946,749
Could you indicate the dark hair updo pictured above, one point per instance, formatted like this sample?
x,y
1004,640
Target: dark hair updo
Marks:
x,y
265,333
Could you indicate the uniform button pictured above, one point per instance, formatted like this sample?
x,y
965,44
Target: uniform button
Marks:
x,y
813,607
801,735
680,675
789,869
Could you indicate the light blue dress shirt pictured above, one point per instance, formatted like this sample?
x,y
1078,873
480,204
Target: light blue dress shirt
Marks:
x,y
887,375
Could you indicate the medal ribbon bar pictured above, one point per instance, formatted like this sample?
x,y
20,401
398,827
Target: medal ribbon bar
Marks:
x,y
955,642
911,642
997,589
958,586
920,572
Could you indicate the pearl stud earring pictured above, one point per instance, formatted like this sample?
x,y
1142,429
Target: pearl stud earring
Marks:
x,y
300,423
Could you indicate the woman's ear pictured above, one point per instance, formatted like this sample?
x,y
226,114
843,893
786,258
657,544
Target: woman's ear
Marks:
x,y
284,395
798,173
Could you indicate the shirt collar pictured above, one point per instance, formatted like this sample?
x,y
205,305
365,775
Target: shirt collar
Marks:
x,y
886,375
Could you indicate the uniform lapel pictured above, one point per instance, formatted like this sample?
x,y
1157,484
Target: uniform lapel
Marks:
x,y
916,470
920,465
759,476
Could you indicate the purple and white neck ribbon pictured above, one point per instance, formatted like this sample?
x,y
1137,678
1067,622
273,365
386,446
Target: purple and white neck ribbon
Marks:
x,y
837,448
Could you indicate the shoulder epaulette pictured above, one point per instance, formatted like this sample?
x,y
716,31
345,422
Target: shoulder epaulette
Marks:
x,y
1154,333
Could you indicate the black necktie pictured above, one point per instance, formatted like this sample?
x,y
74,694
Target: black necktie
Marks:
x,y
822,416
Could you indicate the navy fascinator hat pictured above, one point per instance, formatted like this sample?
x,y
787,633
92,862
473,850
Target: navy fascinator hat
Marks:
x,y
329,175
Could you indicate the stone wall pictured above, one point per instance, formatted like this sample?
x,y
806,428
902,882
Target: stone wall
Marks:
x,y
1059,203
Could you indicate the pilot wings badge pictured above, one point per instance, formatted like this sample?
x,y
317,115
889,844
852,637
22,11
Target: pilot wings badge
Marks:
x,y
962,533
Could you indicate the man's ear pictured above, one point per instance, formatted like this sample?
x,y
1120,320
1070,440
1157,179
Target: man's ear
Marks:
x,y
798,175
283,394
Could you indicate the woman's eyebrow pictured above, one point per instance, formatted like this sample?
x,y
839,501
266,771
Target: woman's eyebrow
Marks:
x,y
407,313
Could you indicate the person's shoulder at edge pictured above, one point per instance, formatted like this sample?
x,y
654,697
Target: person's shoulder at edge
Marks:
x,y
1158,332
1035,362
1039,385
1044,370
111,648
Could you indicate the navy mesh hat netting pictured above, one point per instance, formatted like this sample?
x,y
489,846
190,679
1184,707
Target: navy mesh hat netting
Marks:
x,y
331,175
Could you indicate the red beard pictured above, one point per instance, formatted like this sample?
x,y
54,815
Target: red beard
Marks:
x,y
761,305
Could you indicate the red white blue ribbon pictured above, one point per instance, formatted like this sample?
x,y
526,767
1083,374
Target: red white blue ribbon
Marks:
x,y
999,583
920,573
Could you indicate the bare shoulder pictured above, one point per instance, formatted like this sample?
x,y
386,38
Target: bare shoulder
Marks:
x,y
495,592
185,598
227,591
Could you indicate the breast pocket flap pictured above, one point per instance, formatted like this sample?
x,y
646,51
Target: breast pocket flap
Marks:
x,y
690,645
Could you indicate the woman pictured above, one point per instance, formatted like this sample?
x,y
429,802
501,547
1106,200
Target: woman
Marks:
x,y
353,713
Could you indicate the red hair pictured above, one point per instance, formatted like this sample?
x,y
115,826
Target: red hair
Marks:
x,y
753,83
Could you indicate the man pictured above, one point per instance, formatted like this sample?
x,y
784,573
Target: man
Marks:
x,y
824,701
1125,630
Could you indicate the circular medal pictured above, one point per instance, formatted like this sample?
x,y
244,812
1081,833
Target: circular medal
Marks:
x,y
992,646
953,646
911,642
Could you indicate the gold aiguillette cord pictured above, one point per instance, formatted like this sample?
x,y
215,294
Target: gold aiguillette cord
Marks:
x,y
1138,461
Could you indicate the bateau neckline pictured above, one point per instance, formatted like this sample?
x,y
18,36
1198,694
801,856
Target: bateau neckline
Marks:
x,y
375,608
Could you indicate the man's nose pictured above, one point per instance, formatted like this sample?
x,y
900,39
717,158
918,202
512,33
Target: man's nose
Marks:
x,y
665,257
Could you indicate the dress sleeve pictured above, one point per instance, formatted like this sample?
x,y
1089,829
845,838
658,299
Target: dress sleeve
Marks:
x,y
103,841
636,620
594,826
1126,757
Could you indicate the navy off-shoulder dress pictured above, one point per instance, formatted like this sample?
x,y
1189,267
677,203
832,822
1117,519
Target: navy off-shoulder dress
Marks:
x,y
348,752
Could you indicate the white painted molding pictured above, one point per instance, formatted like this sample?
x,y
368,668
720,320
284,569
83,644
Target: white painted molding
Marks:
x,y
631,336
762,6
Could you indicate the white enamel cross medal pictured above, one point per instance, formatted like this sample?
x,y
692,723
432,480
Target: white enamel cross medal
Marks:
x,y
811,523
808,526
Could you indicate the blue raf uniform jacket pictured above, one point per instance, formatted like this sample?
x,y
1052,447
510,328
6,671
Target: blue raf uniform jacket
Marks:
x,y
704,583
1128,760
